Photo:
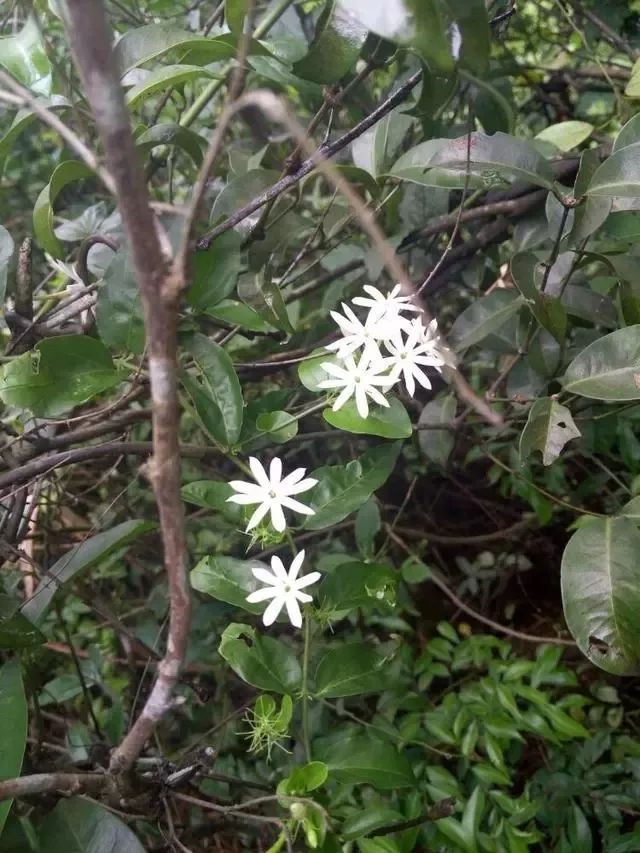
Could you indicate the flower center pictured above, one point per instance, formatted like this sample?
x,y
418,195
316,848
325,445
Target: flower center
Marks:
x,y
272,493
357,380
287,587
403,355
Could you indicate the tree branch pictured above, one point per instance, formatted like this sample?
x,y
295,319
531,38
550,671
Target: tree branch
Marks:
x,y
90,39
324,152
45,783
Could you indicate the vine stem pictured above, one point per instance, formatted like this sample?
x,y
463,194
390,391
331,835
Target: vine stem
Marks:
x,y
305,693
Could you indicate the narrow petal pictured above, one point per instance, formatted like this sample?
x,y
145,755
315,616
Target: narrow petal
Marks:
x,y
409,381
333,369
279,570
296,565
361,402
296,506
302,596
277,517
303,486
422,377
257,516
331,383
244,499
262,595
342,398
271,613
293,611
275,471
292,478
377,397
258,472
265,576
246,488
307,580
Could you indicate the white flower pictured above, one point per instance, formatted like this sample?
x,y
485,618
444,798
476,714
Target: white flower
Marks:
x,y
284,589
356,334
418,348
272,492
387,307
359,380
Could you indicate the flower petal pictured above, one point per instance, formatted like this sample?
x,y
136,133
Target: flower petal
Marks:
x,y
265,576
302,596
292,478
361,402
277,517
377,397
246,488
296,565
244,499
275,471
271,613
258,472
257,516
307,580
302,486
279,570
296,506
293,611
343,396
262,595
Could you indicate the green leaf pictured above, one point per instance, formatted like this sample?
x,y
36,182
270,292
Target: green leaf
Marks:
x,y
13,737
549,427
260,292
304,779
177,136
239,314
261,661
59,374
482,317
219,404
6,253
229,580
566,135
279,427
23,118
629,134
311,374
119,316
601,593
356,584
16,632
163,78
78,559
415,166
619,175
349,670
608,369
437,444
80,826
357,760
234,14
142,44
373,151
215,272
341,489
632,89
498,153
25,58
368,524
213,494
391,422
367,820
65,173
335,48
547,309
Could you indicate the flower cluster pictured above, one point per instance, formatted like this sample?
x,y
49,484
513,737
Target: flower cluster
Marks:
x,y
389,346
272,492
